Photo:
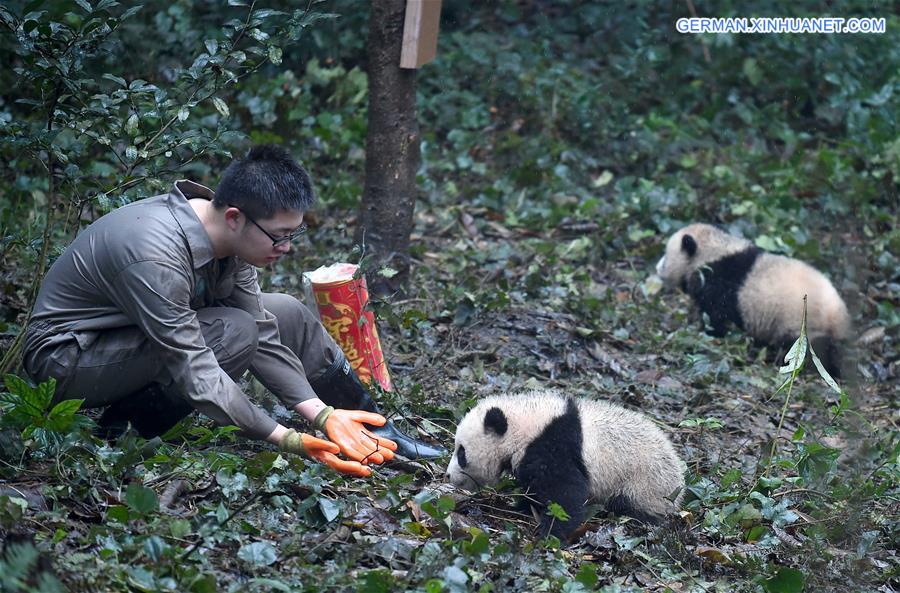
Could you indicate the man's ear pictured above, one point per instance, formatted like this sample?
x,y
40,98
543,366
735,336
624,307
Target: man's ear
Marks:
x,y
233,217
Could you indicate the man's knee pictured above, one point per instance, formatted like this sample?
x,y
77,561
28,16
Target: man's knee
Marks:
x,y
291,314
301,331
232,335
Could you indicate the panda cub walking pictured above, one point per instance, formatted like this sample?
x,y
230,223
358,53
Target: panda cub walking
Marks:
x,y
568,451
732,280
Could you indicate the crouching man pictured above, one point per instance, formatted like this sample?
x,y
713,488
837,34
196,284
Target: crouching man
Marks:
x,y
155,310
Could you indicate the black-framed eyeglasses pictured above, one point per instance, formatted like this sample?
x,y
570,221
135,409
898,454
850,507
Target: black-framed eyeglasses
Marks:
x,y
276,241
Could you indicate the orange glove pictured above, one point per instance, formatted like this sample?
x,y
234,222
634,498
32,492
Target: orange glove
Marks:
x,y
321,450
345,429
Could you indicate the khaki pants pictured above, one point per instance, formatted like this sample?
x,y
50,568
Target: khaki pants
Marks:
x,y
115,363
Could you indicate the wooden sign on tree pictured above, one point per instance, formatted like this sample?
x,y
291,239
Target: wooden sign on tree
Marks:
x,y
420,32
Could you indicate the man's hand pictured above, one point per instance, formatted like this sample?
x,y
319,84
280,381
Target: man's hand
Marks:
x,y
345,428
323,451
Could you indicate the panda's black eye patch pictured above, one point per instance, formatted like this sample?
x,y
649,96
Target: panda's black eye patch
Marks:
x,y
689,245
461,456
495,420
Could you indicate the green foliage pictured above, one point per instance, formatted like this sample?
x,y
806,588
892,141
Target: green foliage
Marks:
x,y
785,580
31,410
141,500
12,509
554,136
21,570
324,107
258,554
557,512
86,133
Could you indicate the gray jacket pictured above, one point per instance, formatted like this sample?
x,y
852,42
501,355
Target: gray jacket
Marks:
x,y
150,264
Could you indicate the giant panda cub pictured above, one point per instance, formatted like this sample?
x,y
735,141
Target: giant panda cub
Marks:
x,y
732,280
569,451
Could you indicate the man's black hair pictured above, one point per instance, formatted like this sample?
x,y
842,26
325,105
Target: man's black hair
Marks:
x,y
266,181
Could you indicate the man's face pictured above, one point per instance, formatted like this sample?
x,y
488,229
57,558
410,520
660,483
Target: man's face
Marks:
x,y
264,241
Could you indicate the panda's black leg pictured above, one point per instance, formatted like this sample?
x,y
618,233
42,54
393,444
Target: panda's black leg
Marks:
x,y
549,479
622,505
712,319
718,324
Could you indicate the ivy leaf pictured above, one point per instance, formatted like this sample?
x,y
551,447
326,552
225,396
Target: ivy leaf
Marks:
x,y
556,511
786,580
275,54
269,584
155,547
117,513
479,545
141,499
258,553
232,484
587,575
141,579
375,581
330,508
456,578
221,513
12,509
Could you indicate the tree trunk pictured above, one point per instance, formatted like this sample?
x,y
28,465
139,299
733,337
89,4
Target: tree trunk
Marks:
x,y
392,150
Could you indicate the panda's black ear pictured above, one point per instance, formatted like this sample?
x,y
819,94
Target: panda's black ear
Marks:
x,y
689,245
495,421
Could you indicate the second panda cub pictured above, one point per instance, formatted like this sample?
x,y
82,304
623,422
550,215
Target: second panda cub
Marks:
x,y
732,280
569,451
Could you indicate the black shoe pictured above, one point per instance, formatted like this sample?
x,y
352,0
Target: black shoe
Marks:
x,y
406,446
150,411
339,386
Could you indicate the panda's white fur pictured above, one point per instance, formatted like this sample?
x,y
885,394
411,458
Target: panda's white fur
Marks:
x,y
733,280
569,450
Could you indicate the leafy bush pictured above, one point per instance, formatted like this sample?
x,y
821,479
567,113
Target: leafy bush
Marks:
x,y
31,410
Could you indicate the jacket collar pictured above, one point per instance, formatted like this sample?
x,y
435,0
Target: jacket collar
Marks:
x,y
197,237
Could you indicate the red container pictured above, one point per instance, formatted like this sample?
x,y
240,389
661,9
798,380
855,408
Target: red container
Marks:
x,y
342,301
